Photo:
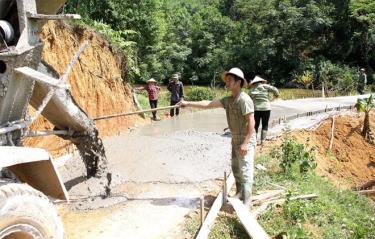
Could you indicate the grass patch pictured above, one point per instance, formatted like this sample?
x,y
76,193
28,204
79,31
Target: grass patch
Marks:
x,y
226,226
334,214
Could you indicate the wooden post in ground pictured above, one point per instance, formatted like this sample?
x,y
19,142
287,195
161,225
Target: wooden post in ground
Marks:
x,y
212,213
202,210
332,132
225,189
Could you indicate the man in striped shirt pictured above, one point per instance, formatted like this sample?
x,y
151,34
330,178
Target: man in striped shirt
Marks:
x,y
153,91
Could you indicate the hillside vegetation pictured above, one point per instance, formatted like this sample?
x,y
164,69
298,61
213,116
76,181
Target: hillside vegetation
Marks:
x,y
285,41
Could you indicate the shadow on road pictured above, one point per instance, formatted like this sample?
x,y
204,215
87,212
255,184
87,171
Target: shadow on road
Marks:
x,y
75,181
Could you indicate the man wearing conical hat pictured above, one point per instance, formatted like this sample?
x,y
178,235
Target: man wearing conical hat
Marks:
x,y
239,110
259,90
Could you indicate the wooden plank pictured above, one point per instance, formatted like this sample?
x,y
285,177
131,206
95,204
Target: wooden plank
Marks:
x,y
258,199
40,77
253,228
366,185
257,212
279,201
215,208
367,192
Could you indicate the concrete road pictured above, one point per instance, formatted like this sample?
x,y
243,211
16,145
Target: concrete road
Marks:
x,y
191,147
163,168
215,120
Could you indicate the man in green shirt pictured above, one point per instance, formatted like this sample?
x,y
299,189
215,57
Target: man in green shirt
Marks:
x,y
240,116
362,81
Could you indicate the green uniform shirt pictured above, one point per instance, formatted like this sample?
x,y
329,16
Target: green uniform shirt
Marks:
x,y
362,80
236,111
259,94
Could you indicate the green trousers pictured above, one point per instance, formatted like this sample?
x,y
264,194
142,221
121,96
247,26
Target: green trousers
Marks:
x,y
243,166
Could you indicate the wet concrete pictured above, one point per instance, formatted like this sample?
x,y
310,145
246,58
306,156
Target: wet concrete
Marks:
x,y
158,174
214,120
181,156
291,107
187,148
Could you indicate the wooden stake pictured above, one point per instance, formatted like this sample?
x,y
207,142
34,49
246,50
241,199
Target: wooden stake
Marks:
x,y
202,210
214,210
225,190
332,131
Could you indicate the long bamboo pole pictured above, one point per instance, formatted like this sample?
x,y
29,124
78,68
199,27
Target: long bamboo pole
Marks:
x,y
136,112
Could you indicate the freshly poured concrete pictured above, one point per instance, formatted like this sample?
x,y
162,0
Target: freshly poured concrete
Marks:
x,y
159,171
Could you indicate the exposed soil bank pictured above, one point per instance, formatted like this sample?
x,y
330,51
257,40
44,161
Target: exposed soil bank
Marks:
x,y
97,81
352,160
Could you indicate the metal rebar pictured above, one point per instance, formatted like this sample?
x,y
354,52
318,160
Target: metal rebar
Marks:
x,y
46,133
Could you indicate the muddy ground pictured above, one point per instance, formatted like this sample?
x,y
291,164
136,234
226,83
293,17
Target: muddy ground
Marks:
x,y
160,171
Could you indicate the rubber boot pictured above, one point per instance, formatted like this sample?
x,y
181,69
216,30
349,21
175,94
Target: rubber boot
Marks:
x,y
238,194
263,136
246,194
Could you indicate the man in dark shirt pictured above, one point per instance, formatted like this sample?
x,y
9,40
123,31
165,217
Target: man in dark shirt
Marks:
x,y
176,88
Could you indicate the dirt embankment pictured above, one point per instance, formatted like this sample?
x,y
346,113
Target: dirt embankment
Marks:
x,y
97,80
352,160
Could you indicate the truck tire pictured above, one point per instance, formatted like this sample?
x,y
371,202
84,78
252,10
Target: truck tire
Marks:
x,y
26,213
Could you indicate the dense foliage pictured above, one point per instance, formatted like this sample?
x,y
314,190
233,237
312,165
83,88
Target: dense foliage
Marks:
x,y
282,40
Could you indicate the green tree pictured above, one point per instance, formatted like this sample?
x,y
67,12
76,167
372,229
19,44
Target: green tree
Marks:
x,y
362,13
275,38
